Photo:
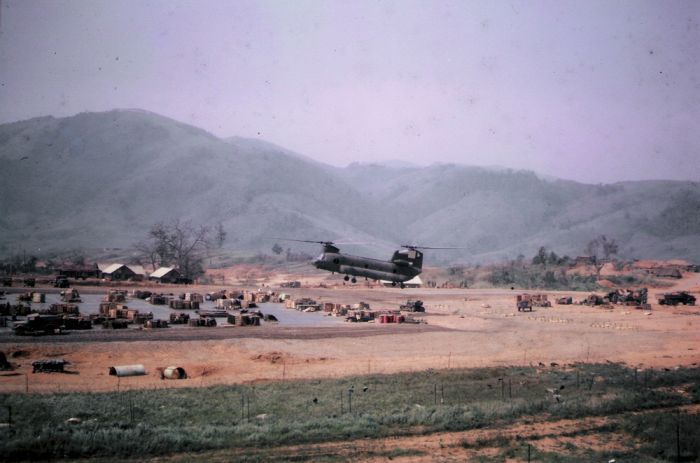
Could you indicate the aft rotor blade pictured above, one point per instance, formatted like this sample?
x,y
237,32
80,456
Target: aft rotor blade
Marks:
x,y
410,246
338,242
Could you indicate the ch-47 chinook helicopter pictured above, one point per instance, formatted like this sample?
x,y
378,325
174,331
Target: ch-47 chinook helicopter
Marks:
x,y
405,264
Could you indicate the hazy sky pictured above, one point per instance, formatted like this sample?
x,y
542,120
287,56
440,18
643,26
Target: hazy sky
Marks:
x,y
586,90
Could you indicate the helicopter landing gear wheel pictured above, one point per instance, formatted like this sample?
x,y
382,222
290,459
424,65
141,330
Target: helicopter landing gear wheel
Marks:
x,y
393,283
346,278
354,280
402,286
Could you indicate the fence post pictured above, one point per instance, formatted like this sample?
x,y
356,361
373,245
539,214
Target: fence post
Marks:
x,y
528,453
678,435
510,389
578,384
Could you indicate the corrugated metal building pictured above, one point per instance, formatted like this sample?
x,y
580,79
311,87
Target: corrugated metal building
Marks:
x,y
118,272
165,275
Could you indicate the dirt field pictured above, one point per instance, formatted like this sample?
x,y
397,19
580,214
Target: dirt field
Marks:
x,y
465,328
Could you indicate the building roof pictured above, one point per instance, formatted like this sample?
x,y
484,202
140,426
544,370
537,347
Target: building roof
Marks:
x,y
101,266
112,268
161,272
137,269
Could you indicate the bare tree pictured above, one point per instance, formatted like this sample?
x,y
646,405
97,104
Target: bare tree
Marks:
x,y
609,246
591,248
601,244
220,235
177,243
148,251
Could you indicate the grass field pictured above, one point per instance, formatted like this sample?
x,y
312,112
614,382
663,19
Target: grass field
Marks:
x,y
147,423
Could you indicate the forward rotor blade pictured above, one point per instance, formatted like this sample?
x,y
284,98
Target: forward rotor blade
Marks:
x,y
304,241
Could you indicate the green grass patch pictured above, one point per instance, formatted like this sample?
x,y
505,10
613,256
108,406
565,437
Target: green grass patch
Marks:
x,y
665,433
139,423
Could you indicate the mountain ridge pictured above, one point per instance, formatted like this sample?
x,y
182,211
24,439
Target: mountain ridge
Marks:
x,y
100,180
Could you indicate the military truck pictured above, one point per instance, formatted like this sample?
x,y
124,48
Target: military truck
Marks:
x,y
290,284
412,306
681,297
38,324
628,296
524,305
525,301
61,282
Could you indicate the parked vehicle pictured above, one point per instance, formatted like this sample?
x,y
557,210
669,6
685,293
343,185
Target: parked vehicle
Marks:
x,y
61,282
412,306
681,297
38,324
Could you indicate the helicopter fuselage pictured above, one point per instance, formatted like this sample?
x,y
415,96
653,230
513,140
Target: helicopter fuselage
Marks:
x,y
375,269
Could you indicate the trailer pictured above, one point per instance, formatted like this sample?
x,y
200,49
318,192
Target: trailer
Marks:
x,y
49,366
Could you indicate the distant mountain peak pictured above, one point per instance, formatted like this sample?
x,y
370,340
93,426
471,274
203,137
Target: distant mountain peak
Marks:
x,y
260,145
